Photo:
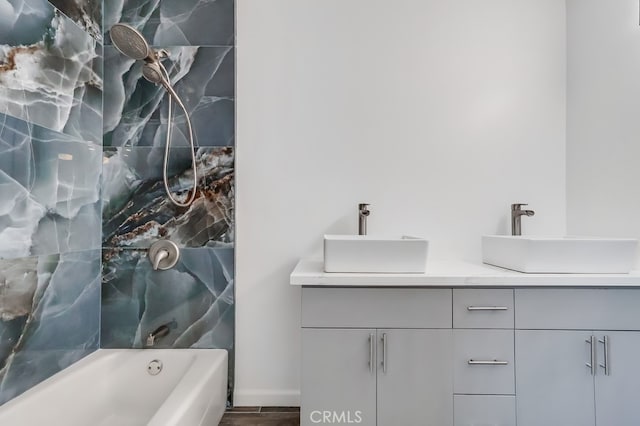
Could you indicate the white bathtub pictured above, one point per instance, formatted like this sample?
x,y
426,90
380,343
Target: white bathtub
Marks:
x,y
113,387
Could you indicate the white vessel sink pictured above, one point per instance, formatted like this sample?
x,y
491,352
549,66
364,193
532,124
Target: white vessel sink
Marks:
x,y
558,255
375,254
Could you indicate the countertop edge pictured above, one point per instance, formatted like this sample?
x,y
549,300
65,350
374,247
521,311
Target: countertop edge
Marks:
x,y
308,272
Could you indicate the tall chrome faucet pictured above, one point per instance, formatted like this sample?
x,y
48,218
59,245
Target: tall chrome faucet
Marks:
x,y
363,213
516,214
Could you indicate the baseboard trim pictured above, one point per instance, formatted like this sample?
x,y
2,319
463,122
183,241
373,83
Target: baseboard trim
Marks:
x,y
266,398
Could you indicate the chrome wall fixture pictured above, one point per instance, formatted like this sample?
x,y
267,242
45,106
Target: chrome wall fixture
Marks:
x,y
163,254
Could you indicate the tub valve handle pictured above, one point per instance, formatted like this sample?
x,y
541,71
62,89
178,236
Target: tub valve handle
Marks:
x,y
163,254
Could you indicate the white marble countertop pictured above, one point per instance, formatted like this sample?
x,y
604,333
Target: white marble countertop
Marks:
x,y
440,273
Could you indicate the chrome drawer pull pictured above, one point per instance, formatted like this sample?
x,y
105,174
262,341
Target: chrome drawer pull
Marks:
x,y
605,342
487,362
384,352
372,339
487,308
592,354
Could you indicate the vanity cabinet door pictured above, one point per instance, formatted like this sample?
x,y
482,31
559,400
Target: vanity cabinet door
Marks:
x,y
338,376
554,386
618,387
415,377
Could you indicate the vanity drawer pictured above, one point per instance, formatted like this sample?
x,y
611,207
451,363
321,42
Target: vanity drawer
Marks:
x,y
578,309
376,307
483,308
483,362
485,410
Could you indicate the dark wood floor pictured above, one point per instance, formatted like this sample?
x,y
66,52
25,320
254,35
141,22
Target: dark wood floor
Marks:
x,y
259,416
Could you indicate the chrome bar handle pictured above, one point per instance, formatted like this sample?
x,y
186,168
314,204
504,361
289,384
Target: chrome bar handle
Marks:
x,y
487,308
605,365
384,352
487,362
372,343
592,351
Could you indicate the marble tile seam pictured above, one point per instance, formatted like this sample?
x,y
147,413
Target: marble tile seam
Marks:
x,y
71,84
63,137
70,252
227,246
160,46
97,35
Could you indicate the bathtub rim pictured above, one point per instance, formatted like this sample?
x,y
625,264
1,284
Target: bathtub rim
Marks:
x,y
101,356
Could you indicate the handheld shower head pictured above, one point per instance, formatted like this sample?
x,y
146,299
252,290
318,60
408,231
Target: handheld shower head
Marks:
x,y
152,72
156,73
130,42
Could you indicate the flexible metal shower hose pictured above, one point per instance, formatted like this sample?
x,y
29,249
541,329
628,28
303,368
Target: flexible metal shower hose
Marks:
x,y
165,172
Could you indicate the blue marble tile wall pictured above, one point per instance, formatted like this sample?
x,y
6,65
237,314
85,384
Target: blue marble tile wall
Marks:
x,y
195,298
50,207
81,149
49,309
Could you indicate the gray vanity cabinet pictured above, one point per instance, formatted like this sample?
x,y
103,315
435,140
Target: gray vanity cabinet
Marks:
x,y
388,377
571,369
618,388
414,377
382,356
483,357
468,357
339,373
554,386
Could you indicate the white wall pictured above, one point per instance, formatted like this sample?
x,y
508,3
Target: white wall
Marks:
x,y
603,120
439,113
